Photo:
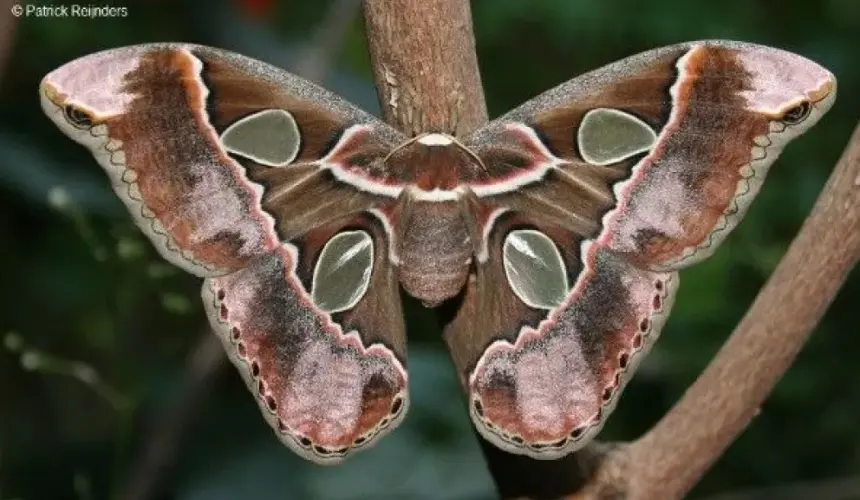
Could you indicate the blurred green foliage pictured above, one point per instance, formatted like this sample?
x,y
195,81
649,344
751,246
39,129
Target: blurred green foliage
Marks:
x,y
96,328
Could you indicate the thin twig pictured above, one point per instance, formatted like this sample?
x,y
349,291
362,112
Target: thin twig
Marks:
x,y
160,446
208,357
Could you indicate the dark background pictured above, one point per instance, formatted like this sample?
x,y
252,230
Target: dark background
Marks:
x,y
97,330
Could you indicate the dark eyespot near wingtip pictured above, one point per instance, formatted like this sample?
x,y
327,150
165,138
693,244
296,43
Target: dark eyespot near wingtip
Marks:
x,y
77,117
797,113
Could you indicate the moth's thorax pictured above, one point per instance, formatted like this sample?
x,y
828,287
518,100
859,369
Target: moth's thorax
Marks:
x,y
435,246
434,162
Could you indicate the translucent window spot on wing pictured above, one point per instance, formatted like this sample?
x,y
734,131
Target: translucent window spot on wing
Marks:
x,y
607,136
535,269
270,137
342,272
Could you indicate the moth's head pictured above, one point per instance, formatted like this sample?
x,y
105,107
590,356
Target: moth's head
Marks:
x,y
792,91
81,96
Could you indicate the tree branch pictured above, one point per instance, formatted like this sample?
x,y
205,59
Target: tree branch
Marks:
x,y
425,66
725,398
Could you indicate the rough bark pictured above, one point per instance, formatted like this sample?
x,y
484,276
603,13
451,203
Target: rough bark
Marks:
x,y
425,67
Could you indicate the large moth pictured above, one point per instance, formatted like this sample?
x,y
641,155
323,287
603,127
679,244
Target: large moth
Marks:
x,y
559,227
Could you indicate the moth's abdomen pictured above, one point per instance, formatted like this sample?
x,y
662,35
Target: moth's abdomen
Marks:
x,y
435,250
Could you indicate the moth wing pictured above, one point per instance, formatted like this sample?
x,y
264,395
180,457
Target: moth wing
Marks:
x,y
218,157
233,168
595,194
549,334
658,155
317,332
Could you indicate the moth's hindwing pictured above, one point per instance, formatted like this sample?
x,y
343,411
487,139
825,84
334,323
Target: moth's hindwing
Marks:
x,y
317,333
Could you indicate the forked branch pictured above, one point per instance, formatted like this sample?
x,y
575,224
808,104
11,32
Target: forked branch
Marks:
x,y
427,78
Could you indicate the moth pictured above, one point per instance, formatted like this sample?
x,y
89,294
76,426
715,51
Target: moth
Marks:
x,y
559,228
